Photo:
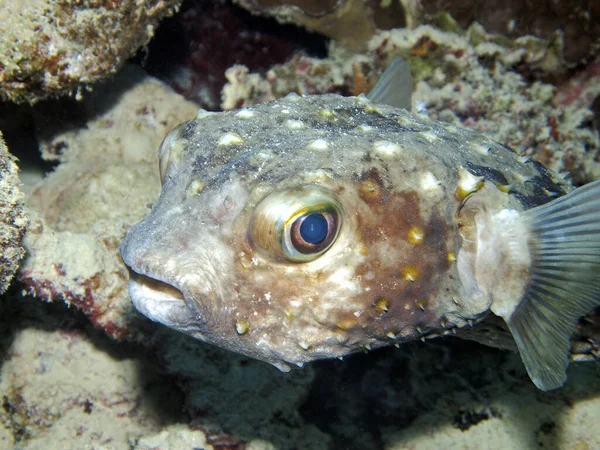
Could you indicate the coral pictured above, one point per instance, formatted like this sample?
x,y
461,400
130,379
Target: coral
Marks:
x,y
81,211
471,78
577,21
353,22
57,47
13,219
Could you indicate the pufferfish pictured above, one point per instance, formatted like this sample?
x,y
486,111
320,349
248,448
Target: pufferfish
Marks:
x,y
313,227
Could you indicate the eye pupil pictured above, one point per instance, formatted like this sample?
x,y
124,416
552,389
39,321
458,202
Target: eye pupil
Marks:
x,y
314,228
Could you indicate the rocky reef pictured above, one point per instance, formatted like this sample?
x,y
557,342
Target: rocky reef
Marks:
x,y
13,220
82,367
51,48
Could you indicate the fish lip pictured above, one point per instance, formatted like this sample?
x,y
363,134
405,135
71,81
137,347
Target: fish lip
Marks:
x,y
155,288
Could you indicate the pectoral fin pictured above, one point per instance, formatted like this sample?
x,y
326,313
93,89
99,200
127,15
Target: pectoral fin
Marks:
x,y
565,282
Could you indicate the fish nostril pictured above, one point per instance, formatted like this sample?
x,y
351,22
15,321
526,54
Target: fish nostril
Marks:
x,y
156,287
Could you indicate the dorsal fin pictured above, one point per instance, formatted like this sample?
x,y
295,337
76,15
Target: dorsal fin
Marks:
x,y
394,87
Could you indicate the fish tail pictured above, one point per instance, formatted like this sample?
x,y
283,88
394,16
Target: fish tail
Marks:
x,y
565,282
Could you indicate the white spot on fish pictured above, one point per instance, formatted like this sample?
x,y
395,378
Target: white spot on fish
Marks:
x,y
481,149
202,113
318,144
467,183
230,138
430,136
245,114
386,148
429,182
295,124
364,127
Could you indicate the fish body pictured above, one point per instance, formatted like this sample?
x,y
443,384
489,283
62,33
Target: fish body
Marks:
x,y
313,227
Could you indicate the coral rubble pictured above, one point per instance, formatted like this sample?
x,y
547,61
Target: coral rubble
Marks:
x,y
13,219
50,47
107,177
353,22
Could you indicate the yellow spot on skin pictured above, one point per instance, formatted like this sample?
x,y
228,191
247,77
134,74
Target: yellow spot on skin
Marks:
x,y
327,112
242,327
371,108
451,258
467,184
365,128
381,305
503,187
196,187
421,304
416,236
319,144
346,324
230,138
289,315
410,273
369,189
390,335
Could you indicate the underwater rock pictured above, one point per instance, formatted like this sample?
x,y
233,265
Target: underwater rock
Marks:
x,y
577,21
350,22
81,211
13,219
353,22
63,386
50,48
470,79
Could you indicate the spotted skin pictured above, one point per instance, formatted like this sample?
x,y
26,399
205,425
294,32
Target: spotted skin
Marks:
x,y
401,267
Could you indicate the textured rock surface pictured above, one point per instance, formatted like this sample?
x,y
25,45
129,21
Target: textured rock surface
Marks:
x,y
12,217
353,22
50,47
61,383
83,208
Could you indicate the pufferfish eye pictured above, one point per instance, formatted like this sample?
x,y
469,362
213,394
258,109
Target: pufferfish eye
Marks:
x,y
296,225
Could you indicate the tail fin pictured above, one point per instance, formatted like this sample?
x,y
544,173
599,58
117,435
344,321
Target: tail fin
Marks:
x,y
565,282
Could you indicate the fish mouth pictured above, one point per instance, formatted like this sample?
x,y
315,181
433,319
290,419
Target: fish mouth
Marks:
x,y
154,289
159,301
